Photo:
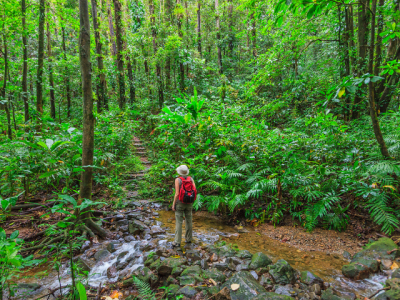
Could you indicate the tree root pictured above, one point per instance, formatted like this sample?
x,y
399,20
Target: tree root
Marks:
x,y
42,245
90,224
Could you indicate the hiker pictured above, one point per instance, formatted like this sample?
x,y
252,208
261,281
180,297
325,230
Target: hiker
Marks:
x,y
185,194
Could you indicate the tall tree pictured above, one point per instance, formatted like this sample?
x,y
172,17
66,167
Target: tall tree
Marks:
x,y
25,63
50,62
101,78
111,29
5,104
85,191
158,67
120,49
372,105
180,33
218,41
66,72
39,77
199,27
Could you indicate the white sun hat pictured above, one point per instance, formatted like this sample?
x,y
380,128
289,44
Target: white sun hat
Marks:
x,y
183,170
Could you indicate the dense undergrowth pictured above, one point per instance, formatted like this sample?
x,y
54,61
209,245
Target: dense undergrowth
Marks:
x,y
313,166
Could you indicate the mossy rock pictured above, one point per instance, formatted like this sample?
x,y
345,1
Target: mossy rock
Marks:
x,y
187,280
259,260
248,286
282,272
155,265
172,290
214,274
309,278
379,250
176,271
187,291
169,264
193,270
272,296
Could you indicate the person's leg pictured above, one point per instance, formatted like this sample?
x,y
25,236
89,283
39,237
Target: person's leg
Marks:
x,y
178,223
188,225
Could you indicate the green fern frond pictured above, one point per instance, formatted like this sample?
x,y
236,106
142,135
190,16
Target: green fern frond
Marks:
x,y
237,200
144,289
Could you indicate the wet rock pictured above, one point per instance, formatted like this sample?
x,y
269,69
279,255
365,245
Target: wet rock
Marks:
x,y
147,222
312,296
187,291
119,217
134,215
261,271
129,238
101,254
272,296
243,267
394,292
282,272
316,288
150,245
170,263
233,262
286,290
155,265
176,271
329,295
244,254
259,260
122,255
214,274
226,251
248,286
122,222
150,260
85,246
385,264
187,280
162,252
81,263
221,266
204,264
359,269
309,278
194,270
111,272
155,230
396,273
124,228
254,274
171,280
193,255
346,255
146,275
112,247
136,227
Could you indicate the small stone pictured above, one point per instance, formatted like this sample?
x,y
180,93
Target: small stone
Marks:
x,y
129,238
221,266
85,246
346,255
187,291
193,255
254,274
101,254
112,247
111,272
122,222
316,288
386,264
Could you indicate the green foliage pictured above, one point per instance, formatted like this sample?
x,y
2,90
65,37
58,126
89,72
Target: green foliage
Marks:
x,y
144,289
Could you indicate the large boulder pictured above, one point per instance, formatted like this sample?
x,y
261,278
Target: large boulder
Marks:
x,y
169,264
192,271
282,272
248,286
393,293
214,274
136,227
360,269
259,260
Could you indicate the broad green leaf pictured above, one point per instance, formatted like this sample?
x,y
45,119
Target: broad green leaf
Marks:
x,y
42,144
47,174
81,291
14,235
69,199
62,224
341,92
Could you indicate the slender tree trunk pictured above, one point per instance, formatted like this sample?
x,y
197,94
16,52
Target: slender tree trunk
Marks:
x,y
66,74
352,46
379,39
218,29
4,87
25,64
111,28
345,49
181,66
39,78
231,35
362,53
101,78
254,35
120,48
50,62
132,90
199,27
372,108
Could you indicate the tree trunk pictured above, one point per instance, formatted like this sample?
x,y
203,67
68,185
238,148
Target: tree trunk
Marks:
x,y
66,73
181,66
50,62
372,108
351,39
158,68
120,49
111,28
379,39
39,78
218,29
362,53
199,27
132,90
253,35
101,78
4,87
231,35
85,191
25,64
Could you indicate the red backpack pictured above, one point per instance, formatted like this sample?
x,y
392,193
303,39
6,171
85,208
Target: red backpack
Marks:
x,y
187,192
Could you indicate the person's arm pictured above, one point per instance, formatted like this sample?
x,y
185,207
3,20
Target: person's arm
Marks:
x,y
176,193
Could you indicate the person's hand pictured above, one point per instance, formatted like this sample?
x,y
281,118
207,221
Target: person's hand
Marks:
x,y
173,208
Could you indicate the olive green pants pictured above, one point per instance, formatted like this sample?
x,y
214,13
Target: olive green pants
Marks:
x,y
183,210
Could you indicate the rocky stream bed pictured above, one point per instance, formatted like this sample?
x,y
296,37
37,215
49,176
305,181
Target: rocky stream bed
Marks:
x,y
209,268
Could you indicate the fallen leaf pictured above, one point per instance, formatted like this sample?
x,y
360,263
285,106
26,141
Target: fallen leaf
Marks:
x,y
235,286
106,298
114,295
212,281
394,266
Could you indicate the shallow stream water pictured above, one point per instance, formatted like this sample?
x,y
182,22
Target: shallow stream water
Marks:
x,y
207,230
